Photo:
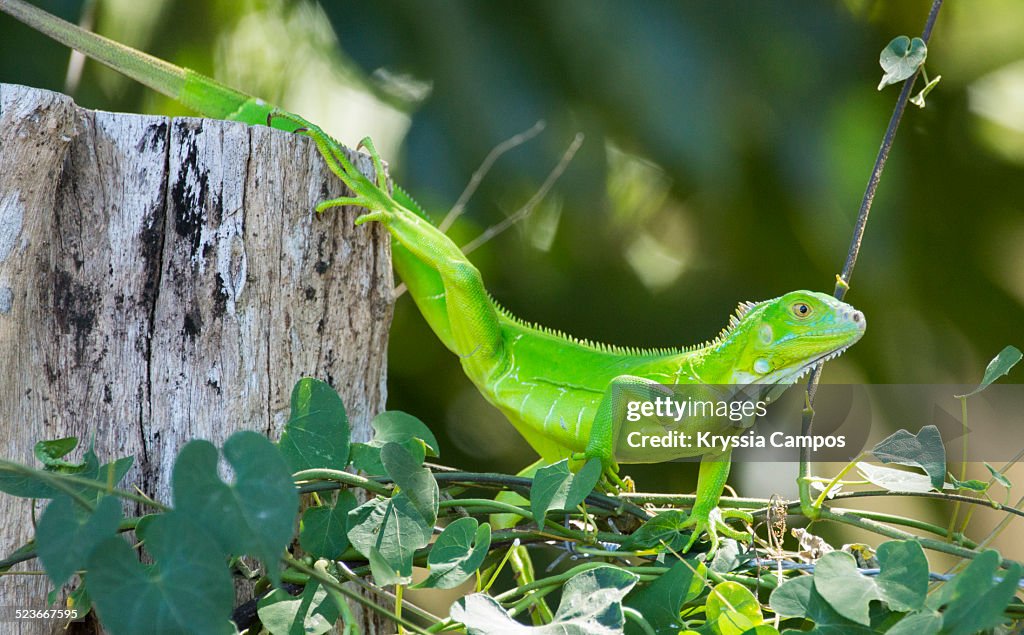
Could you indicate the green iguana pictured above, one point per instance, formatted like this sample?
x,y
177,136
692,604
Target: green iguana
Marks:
x,y
558,391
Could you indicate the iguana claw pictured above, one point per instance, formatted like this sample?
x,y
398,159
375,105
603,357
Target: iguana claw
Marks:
x,y
713,524
610,478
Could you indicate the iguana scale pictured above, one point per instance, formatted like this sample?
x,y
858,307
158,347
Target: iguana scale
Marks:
x,y
558,391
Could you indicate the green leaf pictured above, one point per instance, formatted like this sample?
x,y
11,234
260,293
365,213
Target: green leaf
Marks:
x,y
895,480
999,366
457,553
67,534
317,433
917,624
32,485
918,99
903,581
311,613
412,479
660,601
999,477
51,453
728,557
114,471
732,609
981,611
482,615
838,582
976,576
595,597
665,528
324,532
793,597
972,485
923,450
975,600
256,514
901,58
25,485
79,599
555,487
798,598
398,427
388,531
187,590
591,605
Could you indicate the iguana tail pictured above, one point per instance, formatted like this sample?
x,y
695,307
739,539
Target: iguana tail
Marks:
x,y
206,96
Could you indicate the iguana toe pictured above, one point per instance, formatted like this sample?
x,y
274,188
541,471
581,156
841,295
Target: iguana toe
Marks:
x,y
713,525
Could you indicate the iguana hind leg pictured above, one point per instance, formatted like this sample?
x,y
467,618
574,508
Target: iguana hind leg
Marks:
x,y
446,286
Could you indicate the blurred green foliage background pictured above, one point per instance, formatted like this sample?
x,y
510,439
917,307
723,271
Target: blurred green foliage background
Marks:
x,y
727,145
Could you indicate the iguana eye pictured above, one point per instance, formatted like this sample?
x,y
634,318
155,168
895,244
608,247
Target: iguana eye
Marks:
x,y
802,310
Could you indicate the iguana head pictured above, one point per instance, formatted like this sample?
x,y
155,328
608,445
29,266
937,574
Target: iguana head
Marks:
x,y
776,342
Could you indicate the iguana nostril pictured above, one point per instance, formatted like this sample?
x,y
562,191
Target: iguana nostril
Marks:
x,y
858,317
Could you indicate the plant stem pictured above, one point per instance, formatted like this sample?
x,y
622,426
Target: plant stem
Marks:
x,y
843,280
963,463
838,477
331,584
339,476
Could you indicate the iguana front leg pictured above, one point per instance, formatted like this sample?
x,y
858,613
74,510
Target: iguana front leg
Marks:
x,y
706,517
606,433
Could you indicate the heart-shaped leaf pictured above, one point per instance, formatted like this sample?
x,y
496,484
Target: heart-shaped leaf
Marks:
x,y
901,58
317,433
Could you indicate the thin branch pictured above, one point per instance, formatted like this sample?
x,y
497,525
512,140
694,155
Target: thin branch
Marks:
x,y
843,281
958,498
527,209
485,167
477,178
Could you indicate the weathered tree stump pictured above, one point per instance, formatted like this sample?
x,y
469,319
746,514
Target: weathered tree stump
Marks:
x,y
167,279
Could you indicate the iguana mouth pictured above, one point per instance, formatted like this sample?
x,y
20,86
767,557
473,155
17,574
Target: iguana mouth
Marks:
x,y
792,376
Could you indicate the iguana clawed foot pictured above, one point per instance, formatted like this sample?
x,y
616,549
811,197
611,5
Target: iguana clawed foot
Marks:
x,y
372,195
713,523
610,481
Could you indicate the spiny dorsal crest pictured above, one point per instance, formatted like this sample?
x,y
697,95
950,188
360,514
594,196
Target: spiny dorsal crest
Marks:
x,y
741,309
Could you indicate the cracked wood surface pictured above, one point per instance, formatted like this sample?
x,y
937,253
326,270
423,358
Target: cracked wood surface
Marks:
x,y
166,279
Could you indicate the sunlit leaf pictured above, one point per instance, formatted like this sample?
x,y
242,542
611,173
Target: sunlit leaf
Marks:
x,y
666,527
999,366
971,485
591,605
732,609
52,453
901,58
895,480
918,99
999,476
555,487
311,613
457,553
